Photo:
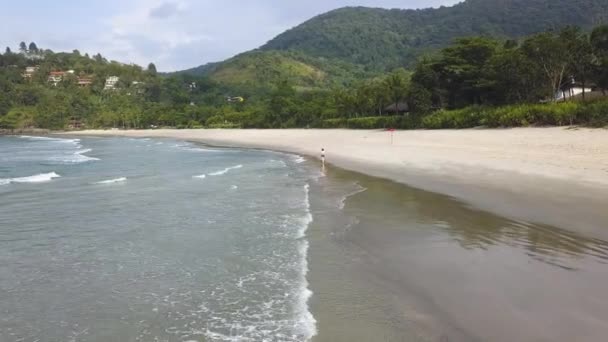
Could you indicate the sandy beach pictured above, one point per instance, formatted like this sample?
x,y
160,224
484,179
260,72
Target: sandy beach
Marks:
x,y
472,235
556,176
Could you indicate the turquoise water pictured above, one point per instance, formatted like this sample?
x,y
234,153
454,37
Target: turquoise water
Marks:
x,y
151,240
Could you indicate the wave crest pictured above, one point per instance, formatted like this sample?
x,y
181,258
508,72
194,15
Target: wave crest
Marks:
x,y
112,181
39,178
226,170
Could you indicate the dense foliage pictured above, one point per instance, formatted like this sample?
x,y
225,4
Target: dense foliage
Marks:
x,y
477,81
381,39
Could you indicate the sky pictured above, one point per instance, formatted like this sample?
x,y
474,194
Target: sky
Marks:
x,y
174,34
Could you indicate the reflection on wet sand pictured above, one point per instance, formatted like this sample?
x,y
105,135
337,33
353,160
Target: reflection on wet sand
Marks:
x,y
474,229
492,278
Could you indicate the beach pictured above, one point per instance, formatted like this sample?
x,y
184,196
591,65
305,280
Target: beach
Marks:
x,y
472,235
528,174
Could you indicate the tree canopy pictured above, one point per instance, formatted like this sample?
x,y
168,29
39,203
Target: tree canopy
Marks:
x,y
462,85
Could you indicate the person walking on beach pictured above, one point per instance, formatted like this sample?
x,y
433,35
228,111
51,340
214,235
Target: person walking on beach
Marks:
x,y
323,156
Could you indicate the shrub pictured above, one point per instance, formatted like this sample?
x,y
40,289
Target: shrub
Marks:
x,y
369,122
593,113
333,123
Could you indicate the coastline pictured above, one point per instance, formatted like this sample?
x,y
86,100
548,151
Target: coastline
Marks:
x,y
526,174
392,262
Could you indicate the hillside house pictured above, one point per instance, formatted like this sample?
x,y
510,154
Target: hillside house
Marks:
x,y
55,77
84,81
139,87
111,82
30,71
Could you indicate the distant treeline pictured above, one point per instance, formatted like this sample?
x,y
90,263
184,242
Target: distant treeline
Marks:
x,y
552,78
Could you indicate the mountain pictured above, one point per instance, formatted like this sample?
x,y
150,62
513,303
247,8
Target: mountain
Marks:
x,y
201,70
384,39
353,42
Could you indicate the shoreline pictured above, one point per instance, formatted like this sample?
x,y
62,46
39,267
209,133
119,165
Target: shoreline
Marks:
x,y
526,174
394,262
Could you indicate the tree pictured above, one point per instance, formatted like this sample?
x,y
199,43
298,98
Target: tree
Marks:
x,y
426,77
580,55
419,99
33,48
23,47
8,51
281,104
549,53
511,77
599,43
461,67
397,84
5,104
152,69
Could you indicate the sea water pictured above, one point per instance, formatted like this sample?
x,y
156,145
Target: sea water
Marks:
x,y
118,239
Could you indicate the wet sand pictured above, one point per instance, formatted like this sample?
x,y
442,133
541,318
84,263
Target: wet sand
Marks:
x,y
401,264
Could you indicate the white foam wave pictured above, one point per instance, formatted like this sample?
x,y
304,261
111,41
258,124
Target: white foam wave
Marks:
x,y
277,162
200,149
359,190
40,178
71,141
200,176
226,170
234,187
299,160
78,157
306,323
113,181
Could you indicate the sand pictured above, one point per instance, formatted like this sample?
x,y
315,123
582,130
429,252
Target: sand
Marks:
x,y
556,176
396,263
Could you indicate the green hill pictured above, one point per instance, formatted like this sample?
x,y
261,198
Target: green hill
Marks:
x,y
259,68
358,42
384,39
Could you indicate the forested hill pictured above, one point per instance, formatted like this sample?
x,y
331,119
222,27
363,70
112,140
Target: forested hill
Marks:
x,y
383,39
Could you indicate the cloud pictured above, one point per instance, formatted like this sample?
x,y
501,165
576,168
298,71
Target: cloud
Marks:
x,y
165,10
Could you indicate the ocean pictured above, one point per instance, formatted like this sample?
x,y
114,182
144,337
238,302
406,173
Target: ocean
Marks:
x,y
120,239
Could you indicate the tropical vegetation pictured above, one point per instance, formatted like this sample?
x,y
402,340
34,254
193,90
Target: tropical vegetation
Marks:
x,y
475,81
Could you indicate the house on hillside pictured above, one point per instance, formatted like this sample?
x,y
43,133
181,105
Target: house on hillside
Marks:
x,y
111,82
30,71
140,87
84,81
55,77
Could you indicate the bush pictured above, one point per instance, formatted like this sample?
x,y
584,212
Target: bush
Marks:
x,y
333,123
593,113
373,122
370,122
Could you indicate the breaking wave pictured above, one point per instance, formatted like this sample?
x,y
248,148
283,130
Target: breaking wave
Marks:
x,y
39,178
226,170
113,181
